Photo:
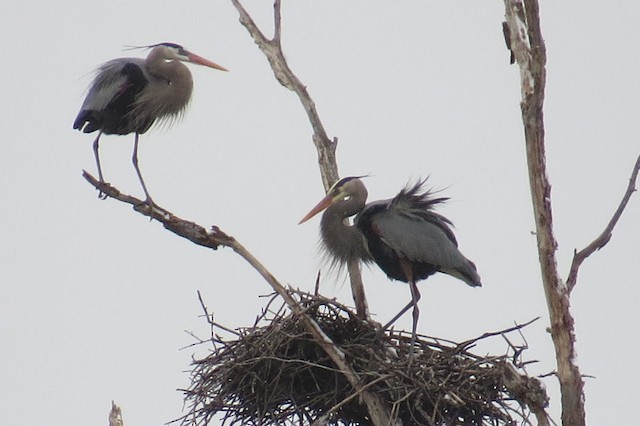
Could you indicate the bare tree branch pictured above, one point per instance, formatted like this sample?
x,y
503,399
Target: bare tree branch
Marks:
x,y
115,415
272,49
605,236
527,391
326,148
527,45
216,237
184,228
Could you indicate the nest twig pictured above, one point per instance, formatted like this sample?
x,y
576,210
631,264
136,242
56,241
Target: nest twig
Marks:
x,y
275,373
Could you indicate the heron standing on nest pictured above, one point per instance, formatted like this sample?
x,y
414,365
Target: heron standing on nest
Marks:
x,y
404,236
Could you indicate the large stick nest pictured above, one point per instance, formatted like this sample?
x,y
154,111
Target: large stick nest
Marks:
x,y
276,373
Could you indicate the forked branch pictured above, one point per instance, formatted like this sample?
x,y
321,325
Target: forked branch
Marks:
x,y
522,27
605,236
326,148
272,49
527,46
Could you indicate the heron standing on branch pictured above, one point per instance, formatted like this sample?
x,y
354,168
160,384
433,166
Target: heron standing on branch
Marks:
x,y
403,235
128,95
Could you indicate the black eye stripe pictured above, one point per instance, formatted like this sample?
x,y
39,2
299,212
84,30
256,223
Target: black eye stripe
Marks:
x,y
343,181
335,189
181,50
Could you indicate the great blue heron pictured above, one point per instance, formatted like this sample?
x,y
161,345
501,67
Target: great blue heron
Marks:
x,y
128,95
403,235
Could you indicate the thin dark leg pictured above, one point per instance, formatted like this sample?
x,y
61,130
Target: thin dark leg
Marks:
x,y
398,315
96,154
408,272
415,296
135,165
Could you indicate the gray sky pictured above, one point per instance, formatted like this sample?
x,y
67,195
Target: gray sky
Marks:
x,y
95,298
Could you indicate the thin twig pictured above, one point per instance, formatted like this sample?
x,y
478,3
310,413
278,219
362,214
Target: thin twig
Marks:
x,y
605,236
463,346
208,316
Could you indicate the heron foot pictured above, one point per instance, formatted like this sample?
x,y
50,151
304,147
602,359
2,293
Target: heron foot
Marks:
x,y
149,204
102,189
382,331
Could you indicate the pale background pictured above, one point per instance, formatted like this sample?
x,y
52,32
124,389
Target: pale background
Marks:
x,y
95,299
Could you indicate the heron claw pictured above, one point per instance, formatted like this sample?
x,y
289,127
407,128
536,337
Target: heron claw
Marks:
x,y
147,202
102,195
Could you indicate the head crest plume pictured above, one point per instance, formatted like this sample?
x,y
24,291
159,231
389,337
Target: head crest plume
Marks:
x,y
151,46
344,180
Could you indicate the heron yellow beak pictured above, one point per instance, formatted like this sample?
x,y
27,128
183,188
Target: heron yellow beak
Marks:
x,y
323,204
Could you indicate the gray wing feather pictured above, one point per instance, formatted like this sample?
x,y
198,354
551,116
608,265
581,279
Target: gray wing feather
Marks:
x,y
418,240
108,82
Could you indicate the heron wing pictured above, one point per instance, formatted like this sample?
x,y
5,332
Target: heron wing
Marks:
x,y
416,239
420,236
112,96
111,80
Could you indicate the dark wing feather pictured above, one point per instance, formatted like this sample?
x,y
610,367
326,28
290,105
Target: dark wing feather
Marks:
x,y
406,227
111,99
413,203
416,239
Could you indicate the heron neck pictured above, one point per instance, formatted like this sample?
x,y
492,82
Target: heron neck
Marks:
x,y
173,96
344,242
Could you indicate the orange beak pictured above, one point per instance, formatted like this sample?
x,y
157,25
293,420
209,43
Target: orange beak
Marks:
x,y
323,204
203,61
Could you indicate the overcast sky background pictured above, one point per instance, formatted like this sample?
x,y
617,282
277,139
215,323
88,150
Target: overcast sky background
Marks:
x,y
95,299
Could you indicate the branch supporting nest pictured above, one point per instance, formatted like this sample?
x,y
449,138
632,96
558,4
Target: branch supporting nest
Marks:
x,y
275,373
317,362
217,237
325,147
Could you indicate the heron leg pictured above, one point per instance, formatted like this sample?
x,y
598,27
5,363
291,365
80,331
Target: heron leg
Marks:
x,y
415,296
408,272
134,159
398,315
96,154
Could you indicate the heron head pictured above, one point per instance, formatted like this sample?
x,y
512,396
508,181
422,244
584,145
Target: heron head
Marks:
x,y
343,189
173,51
